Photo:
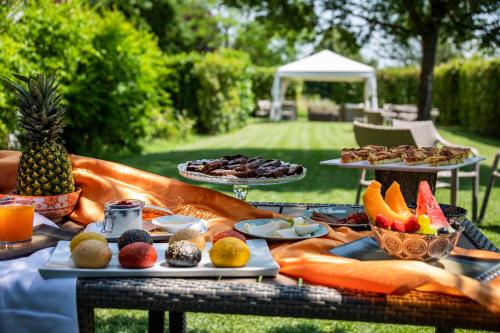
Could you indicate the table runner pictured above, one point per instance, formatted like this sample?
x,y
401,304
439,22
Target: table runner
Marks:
x,y
101,181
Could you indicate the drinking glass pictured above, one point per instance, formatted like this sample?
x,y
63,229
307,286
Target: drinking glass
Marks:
x,y
16,220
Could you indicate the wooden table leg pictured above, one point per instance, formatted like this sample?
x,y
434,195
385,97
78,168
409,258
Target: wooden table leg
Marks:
x,y
408,181
177,322
454,187
86,321
156,321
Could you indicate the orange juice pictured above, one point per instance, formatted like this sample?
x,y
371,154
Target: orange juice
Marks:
x,y
16,222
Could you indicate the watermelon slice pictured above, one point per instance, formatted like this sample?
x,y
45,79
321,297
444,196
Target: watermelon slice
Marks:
x,y
427,204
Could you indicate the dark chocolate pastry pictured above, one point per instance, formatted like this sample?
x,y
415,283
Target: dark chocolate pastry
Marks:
x,y
242,167
295,170
221,172
215,164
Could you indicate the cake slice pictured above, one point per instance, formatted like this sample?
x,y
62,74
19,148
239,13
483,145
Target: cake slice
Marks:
x,y
374,148
383,157
415,156
439,160
401,150
349,156
455,152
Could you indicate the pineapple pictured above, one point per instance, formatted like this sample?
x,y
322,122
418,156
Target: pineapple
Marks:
x,y
44,166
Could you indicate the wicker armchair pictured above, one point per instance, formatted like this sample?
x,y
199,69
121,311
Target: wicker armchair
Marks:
x,y
368,134
426,135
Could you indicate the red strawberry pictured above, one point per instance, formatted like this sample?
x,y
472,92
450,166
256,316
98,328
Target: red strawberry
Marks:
x,y
412,224
398,226
382,221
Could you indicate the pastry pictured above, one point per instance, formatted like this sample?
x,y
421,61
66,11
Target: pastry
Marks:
x,y
240,166
384,157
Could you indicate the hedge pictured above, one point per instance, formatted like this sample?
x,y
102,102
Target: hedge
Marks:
x,y
214,89
110,74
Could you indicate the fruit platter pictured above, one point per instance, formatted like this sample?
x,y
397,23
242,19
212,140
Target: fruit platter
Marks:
x,y
186,254
423,234
279,229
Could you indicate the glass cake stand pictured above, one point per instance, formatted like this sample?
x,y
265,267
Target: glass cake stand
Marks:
x,y
240,185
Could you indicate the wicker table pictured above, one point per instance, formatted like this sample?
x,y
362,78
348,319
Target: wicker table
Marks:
x,y
281,296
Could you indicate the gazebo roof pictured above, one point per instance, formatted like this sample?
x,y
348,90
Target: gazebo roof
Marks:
x,y
326,66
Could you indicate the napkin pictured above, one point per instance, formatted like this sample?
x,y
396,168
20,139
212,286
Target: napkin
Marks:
x,y
28,303
309,259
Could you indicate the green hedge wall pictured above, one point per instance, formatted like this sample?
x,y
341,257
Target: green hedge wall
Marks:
x,y
110,74
467,94
214,89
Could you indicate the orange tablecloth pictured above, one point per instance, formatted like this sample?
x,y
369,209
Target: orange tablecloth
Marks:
x,y
101,181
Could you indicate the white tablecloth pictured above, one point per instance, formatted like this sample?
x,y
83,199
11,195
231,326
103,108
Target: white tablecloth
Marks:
x,y
28,303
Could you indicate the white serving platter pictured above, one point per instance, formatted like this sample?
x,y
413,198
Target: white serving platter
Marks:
x,y
322,230
147,225
261,263
402,166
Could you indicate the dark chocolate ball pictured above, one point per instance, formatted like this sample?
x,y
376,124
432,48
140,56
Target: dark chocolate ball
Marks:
x,y
134,236
183,254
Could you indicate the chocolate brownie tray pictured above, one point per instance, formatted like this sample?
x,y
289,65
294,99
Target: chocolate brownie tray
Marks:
x,y
241,170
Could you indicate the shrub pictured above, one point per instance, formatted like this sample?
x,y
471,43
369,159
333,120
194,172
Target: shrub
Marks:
x,y
109,70
214,89
262,82
398,85
478,106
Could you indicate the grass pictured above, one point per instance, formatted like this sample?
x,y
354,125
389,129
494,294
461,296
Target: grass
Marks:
x,y
306,143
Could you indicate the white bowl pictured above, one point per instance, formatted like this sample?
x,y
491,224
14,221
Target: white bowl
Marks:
x,y
174,223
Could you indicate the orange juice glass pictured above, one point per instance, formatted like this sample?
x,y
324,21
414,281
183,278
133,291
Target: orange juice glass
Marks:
x,y
16,220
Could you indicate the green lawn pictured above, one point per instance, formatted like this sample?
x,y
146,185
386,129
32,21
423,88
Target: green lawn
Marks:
x,y
302,142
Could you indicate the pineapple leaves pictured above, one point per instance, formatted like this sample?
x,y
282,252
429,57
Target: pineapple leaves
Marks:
x,y
40,114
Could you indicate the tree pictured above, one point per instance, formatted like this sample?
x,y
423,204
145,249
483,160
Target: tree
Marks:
x,y
457,21
180,26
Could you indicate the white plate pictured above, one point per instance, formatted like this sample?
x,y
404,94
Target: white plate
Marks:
x,y
240,227
174,223
261,263
147,225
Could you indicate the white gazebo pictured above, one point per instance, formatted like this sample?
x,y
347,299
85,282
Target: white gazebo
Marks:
x,y
324,66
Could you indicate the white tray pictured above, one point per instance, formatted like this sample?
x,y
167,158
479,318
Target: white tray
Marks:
x,y
147,225
261,263
402,166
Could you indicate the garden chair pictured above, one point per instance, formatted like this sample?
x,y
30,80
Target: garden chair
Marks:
x,y
289,110
426,135
374,117
367,134
494,175
263,108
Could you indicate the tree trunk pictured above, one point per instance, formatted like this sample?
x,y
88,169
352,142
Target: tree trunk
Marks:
x,y
429,48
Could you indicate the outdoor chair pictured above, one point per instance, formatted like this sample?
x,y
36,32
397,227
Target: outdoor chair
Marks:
x,y
367,134
263,108
350,111
426,135
374,117
289,110
494,175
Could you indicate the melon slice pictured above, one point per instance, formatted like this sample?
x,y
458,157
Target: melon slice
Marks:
x,y
427,204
